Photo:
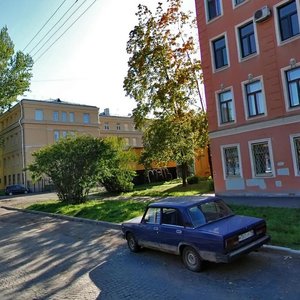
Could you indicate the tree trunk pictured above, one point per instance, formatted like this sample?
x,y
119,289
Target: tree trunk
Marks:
x,y
210,161
184,171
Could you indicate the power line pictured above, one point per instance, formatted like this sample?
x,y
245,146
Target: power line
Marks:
x,y
44,25
54,27
67,29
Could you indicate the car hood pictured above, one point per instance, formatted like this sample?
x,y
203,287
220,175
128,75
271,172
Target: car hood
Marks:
x,y
230,225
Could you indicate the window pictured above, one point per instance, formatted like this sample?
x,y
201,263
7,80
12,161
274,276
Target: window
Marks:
x,y
288,20
261,159
213,9
39,115
171,216
71,117
226,107
55,116
106,126
237,2
134,142
64,116
231,162
220,53
64,134
293,85
86,118
247,40
152,216
56,135
296,154
118,126
255,100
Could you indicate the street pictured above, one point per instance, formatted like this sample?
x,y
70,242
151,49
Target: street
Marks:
x,y
47,258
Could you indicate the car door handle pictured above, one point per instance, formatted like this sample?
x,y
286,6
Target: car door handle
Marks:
x,y
179,231
155,228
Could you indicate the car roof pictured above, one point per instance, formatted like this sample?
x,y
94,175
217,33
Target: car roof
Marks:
x,y
183,201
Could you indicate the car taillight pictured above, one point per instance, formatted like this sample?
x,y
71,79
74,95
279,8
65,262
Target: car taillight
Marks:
x,y
230,243
262,229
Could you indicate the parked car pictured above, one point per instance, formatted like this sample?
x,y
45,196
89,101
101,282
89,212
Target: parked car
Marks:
x,y
197,228
16,189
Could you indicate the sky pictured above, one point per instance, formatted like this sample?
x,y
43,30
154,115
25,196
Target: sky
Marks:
x,y
87,64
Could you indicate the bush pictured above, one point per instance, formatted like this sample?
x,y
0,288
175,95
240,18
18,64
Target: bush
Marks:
x,y
193,180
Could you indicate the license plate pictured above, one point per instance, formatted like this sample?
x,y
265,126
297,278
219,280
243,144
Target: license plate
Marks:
x,y
246,235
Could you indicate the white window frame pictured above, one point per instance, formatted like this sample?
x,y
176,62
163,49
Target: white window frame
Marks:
x,y
268,141
277,27
106,126
39,115
118,126
212,52
217,93
238,42
238,5
294,157
207,14
285,88
224,163
245,99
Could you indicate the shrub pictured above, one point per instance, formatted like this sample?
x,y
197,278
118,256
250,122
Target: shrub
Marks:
x,y
193,180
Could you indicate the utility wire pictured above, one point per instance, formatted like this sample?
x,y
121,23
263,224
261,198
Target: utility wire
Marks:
x,y
67,29
44,25
54,27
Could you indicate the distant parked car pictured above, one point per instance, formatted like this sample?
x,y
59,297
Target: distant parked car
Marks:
x,y
197,228
16,189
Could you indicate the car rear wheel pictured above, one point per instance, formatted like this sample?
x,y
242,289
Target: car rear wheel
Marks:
x,y
192,259
132,243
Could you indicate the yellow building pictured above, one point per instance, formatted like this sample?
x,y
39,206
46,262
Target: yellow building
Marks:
x,y
32,124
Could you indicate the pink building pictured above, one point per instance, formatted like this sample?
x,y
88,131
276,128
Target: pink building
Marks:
x,y
250,54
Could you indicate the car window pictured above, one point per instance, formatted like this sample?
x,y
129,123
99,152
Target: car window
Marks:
x,y
215,210
152,216
197,216
171,216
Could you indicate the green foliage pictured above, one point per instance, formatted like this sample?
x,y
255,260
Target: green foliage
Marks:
x,y
72,164
163,77
15,71
116,175
193,179
77,164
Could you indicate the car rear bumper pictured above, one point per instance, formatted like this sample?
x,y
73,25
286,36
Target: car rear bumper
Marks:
x,y
243,250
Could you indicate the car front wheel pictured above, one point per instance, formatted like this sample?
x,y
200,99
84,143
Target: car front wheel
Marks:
x,y
192,259
132,244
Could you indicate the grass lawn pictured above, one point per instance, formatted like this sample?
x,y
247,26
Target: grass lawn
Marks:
x,y
283,223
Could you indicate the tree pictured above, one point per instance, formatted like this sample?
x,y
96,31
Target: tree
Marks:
x,y
76,164
15,71
163,77
116,175
72,164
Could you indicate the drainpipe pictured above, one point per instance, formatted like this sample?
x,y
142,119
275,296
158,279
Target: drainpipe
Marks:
x,y
22,146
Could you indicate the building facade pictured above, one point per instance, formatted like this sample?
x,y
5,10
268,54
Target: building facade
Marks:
x,y
251,66
32,124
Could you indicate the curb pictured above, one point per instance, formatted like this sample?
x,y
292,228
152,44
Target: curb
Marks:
x,y
266,248
68,218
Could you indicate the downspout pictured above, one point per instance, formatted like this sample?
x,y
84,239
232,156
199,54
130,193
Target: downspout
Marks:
x,y
22,145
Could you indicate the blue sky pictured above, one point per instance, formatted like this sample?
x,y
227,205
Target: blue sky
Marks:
x,y
88,63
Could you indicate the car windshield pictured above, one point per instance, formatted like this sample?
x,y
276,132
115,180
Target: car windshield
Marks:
x,y
209,212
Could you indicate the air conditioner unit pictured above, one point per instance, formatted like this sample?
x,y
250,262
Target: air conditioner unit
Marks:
x,y
262,14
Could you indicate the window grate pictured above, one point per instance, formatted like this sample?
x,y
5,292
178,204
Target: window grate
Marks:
x,y
262,161
232,164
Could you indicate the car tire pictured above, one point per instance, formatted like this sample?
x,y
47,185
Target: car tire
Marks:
x,y
191,259
132,243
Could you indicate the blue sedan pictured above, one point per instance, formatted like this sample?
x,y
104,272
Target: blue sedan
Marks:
x,y
197,228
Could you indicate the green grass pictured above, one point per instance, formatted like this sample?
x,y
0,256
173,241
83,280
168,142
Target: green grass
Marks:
x,y
283,223
171,188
